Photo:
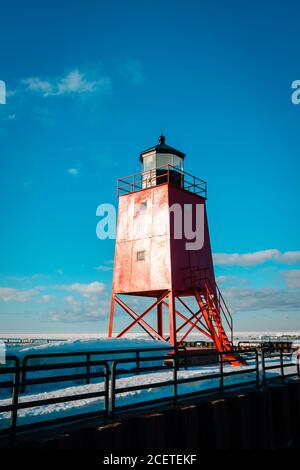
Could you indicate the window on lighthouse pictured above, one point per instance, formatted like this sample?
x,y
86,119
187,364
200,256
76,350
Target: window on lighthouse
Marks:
x,y
141,255
158,160
149,162
164,159
178,162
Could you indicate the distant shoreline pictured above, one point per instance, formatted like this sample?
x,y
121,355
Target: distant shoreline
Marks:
x,y
87,336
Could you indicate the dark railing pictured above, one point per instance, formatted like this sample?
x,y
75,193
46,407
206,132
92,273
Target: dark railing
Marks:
x,y
161,175
15,384
271,346
87,355
175,381
283,365
111,369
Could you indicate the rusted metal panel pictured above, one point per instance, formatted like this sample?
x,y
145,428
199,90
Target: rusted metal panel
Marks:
x,y
122,267
140,269
143,227
182,260
160,265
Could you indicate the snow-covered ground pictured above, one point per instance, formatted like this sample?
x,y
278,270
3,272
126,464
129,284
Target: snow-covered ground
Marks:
x,y
39,392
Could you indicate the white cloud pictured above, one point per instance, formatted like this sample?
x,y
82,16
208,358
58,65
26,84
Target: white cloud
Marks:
x,y
106,266
42,86
46,298
78,310
89,303
73,171
81,302
10,93
70,299
255,258
89,289
289,257
103,268
292,278
31,277
92,289
10,294
75,82
240,299
222,279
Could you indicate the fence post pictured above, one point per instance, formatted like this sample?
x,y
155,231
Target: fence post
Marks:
x,y
23,377
281,365
221,372
257,367
185,359
175,375
138,362
263,365
15,399
106,385
113,389
88,368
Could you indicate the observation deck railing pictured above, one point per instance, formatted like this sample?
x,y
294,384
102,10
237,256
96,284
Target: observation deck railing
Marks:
x,y
161,175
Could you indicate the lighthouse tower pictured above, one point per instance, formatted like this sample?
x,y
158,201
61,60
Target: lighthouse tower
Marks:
x,y
160,210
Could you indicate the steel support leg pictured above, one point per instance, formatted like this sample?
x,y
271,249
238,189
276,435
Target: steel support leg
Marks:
x,y
172,319
160,324
111,316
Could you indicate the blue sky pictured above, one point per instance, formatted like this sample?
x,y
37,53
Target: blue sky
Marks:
x,y
89,87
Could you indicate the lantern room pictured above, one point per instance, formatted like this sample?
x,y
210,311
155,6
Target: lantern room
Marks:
x,y
161,164
162,155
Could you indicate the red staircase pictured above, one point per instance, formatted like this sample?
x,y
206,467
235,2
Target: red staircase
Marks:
x,y
215,312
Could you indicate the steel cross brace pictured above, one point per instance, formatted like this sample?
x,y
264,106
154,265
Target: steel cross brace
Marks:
x,y
189,320
138,319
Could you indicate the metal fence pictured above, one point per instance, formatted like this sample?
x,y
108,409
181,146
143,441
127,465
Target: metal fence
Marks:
x,y
177,363
87,356
109,370
283,366
16,385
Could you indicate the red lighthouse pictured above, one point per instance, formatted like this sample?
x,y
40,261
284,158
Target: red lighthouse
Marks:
x,y
156,258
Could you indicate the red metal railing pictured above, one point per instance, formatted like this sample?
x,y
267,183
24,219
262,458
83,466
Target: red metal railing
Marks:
x,y
197,275
160,175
